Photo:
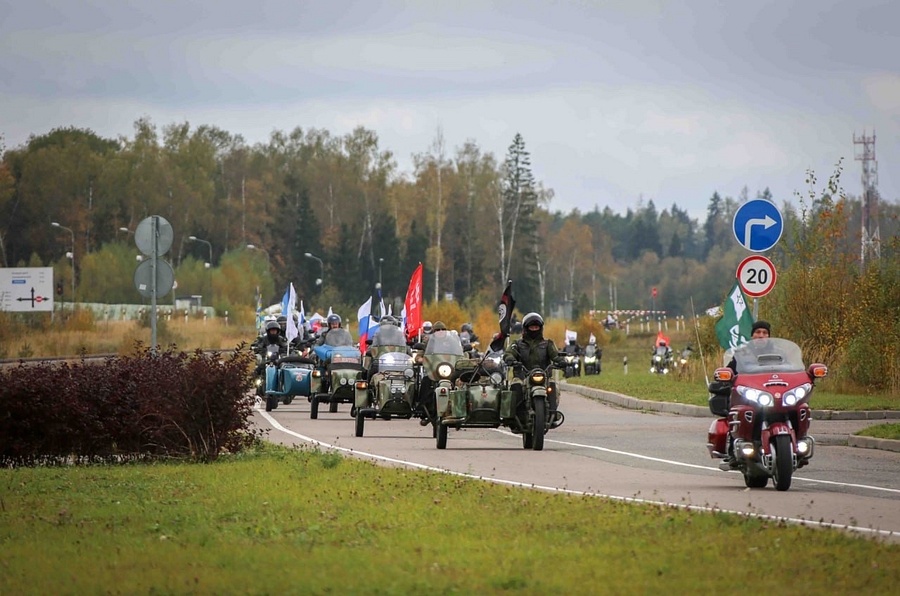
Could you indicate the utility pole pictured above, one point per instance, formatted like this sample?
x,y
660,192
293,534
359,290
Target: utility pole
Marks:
x,y
871,238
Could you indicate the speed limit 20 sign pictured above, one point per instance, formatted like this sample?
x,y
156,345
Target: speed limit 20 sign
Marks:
x,y
756,276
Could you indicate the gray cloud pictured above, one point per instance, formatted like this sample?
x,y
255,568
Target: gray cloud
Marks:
x,y
616,100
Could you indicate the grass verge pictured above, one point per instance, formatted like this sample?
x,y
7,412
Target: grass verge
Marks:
x,y
299,521
882,431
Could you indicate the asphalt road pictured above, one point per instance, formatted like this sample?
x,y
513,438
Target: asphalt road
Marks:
x,y
624,454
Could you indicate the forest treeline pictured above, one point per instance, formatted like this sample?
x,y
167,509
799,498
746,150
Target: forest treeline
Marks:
x,y
309,206
474,220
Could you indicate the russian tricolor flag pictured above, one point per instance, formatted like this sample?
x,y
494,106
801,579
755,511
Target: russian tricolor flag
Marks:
x,y
367,325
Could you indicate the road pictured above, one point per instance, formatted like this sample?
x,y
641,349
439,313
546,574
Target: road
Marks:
x,y
623,454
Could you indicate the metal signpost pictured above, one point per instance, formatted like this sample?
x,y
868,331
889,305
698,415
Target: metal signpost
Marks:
x,y
153,277
757,226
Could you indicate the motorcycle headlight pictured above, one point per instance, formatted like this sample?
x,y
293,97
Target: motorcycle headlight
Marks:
x,y
444,370
657,358
343,381
409,373
793,396
258,381
537,378
763,398
496,378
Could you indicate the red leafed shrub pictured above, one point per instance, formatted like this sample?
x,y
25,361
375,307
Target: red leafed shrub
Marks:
x,y
162,404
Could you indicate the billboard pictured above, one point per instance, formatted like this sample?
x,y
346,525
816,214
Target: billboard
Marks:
x,y
26,289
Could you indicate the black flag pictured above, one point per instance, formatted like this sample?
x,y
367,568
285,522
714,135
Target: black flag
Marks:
x,y
505,310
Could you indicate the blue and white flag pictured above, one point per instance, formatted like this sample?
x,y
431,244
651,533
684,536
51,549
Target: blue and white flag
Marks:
x,y
291,331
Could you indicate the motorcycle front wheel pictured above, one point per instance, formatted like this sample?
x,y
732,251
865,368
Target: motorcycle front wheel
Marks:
x,y
540,422
360,423
314,407
784,464
441,436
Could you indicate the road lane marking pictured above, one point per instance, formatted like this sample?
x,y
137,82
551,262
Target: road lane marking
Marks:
x,y
702,508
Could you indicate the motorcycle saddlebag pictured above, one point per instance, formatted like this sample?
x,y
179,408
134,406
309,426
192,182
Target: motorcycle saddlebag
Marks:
x,y
718,433
718,404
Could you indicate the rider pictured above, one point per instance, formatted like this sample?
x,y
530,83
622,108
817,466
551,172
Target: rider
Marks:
x,y
760,330
530,352
668,350
272,337
333,322
467,334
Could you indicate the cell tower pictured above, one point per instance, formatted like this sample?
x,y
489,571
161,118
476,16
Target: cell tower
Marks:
x,y
871,238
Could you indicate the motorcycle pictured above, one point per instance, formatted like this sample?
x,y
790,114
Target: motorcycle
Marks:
x,y
391,382
661,360
340,366
538,391
592,355
287,377
572,366
436,365
763,429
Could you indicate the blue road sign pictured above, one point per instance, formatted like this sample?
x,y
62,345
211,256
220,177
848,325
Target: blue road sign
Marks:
x,y
758,225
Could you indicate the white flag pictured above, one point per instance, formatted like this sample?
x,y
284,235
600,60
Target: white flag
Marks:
x,y
291,331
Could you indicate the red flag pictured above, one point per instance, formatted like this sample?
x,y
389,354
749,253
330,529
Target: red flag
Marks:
x,y
413,304
505,312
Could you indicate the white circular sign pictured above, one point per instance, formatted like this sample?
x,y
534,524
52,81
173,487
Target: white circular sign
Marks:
x,y
756,276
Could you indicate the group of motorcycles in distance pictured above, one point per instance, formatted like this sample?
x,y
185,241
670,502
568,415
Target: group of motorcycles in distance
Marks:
x,y
439,377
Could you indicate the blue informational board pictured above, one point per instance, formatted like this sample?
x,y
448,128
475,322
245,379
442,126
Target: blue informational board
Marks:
x,y
758,225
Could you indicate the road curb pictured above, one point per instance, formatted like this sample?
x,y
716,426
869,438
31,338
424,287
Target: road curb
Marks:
x,y
633,403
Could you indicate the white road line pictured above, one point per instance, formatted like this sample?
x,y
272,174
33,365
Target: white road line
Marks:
x,y
799,521
686,465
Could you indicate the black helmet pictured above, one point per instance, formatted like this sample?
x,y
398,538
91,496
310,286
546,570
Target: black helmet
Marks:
x,y
273,325
282,322
532,318
466,327
332,319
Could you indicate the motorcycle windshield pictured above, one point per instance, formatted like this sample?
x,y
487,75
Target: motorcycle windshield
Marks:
x,y
590,351
338,337
394,361
444,342
769,355
388,336
661,351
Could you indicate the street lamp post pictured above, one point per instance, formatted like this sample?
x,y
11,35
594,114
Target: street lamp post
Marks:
x,y
208,265
56,225
254,247
321,279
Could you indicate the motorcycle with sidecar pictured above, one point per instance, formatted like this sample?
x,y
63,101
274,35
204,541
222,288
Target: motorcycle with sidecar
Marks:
x,y
391,379
287,377
479,399
339,364
763,429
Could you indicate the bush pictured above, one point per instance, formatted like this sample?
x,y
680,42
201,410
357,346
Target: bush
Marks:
x,y
169,404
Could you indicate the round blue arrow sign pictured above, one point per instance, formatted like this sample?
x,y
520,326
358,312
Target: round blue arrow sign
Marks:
x,y
758,225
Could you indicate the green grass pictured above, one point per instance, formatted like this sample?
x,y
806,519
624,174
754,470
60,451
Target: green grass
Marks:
x,y
882,431
691,387
281,521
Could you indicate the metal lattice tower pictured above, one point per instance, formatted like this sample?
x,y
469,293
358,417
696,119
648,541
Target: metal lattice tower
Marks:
x,y
871,240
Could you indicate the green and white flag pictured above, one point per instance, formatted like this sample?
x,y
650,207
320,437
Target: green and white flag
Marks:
x,y
734,328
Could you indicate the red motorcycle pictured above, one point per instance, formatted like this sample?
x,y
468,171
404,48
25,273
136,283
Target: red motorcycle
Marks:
x,y
764,407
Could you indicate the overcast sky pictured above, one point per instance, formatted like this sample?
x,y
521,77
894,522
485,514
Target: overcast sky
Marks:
x,y
616,100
